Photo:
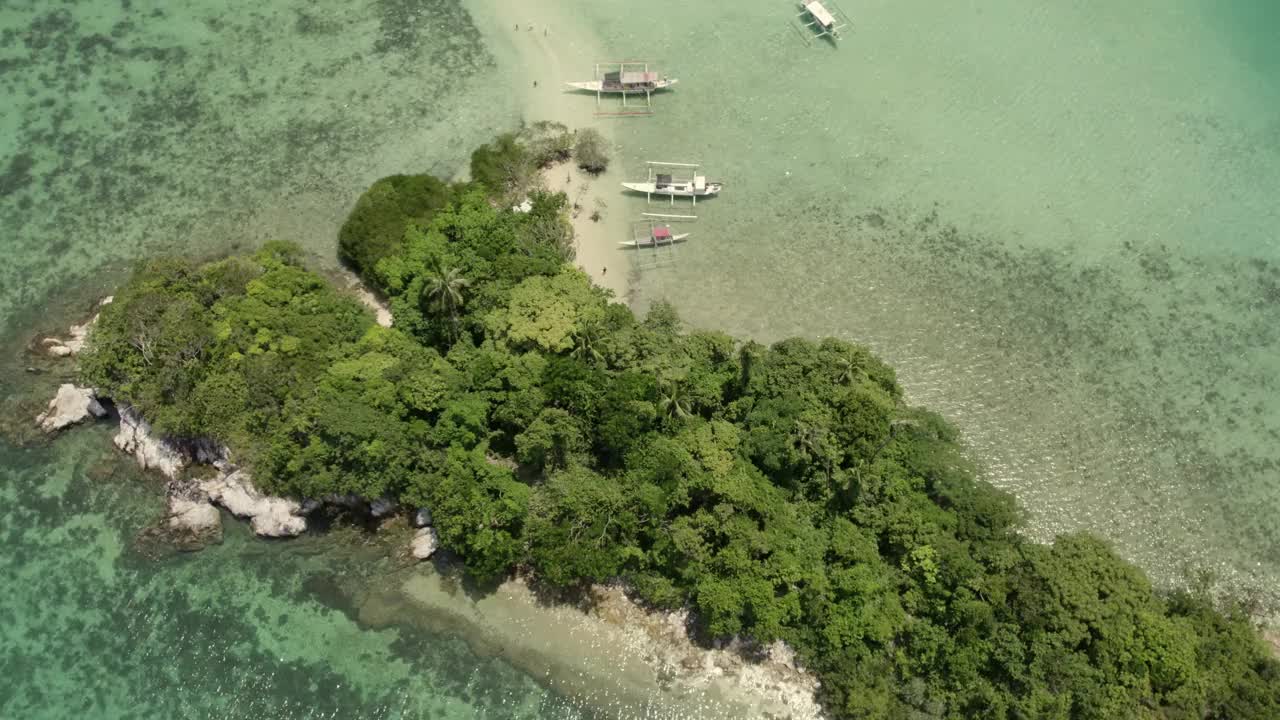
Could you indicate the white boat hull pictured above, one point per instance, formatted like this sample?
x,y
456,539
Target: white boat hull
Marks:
x,y
677,190
600,87
652,243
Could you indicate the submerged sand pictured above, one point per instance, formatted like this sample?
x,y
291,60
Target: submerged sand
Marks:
x,y
613,658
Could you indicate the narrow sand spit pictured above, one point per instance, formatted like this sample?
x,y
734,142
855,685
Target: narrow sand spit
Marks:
x,y
559,48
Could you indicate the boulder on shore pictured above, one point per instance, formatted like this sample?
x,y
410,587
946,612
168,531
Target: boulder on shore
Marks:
x,y
268,516
197,520
70,406
190,510
152,453
425,543
55,348
77,336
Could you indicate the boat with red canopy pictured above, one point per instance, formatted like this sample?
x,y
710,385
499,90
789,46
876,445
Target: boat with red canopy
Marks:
x,y
659,234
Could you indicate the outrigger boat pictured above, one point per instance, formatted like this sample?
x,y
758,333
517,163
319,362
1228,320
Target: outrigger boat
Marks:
x,y
662,179
631,77
828,21
626,82
658,235
662,184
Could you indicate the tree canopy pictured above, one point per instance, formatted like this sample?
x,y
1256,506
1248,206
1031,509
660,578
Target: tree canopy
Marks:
x,y
783,492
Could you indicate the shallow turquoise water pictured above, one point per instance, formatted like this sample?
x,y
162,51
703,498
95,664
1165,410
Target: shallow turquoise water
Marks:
x,y
135,127
96,626
140,127
1057,220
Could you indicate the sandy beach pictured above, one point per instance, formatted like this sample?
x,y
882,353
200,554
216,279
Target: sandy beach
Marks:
x,y
550,47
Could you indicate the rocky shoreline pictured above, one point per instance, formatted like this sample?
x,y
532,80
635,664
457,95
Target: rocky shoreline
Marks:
x,y
771,672
193,498
201,477
76,337
193,519
769,678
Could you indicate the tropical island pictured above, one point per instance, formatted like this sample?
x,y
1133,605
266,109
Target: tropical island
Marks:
x,y
782,493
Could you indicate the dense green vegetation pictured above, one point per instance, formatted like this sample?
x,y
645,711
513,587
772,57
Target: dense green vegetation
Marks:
x,y
783,492
375,228
505,169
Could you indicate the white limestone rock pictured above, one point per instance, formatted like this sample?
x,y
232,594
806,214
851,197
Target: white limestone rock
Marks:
x,y
77,336
152,453
425,543
278,521
197,518
70,406
268,516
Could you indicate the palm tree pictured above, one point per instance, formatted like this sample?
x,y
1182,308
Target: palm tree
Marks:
x,y
901,421
442,290
584,345
673,402
811,441
849,368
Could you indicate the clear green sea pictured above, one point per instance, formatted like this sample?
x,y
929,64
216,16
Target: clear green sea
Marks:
x,y
1059,221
